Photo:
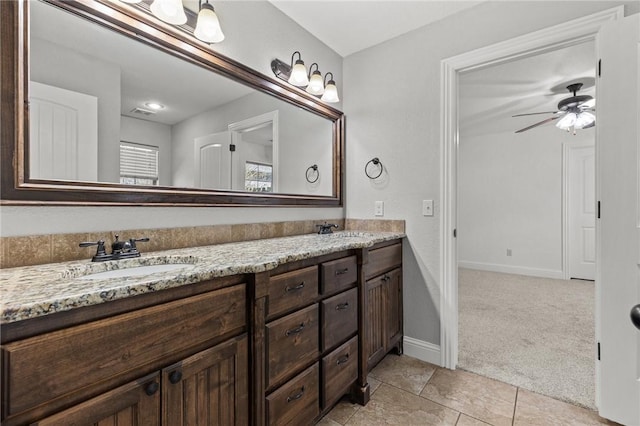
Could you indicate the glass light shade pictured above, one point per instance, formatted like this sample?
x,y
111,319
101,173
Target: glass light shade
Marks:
x,y
584,119
170,11
567,121
208,26
298,75
330,93
316,85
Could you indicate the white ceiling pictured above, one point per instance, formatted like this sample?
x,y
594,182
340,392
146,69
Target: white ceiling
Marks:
x,y
490,96
348,26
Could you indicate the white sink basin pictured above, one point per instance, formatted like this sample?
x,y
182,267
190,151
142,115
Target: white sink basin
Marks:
x,y
135,271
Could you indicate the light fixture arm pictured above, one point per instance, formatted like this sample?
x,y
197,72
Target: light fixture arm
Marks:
x,y
299,58
325,78
311,67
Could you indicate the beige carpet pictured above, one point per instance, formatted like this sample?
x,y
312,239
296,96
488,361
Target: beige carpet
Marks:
x,y
536,333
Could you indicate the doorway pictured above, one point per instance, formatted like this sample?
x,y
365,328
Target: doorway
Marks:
x,y
567,34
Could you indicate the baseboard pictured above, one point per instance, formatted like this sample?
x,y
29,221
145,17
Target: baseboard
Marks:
x,y
510,269
422,350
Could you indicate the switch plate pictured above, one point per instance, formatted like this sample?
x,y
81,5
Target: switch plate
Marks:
x,y
427,207
509,252
379,209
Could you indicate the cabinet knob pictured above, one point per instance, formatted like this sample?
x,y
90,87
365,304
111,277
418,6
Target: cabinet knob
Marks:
x,y
296,396
151,388
175,376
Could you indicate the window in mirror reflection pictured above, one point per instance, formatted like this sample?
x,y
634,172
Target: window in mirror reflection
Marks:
x,y
258,177
138,164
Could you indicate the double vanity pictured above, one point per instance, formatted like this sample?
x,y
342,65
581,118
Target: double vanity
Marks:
x,y
265,332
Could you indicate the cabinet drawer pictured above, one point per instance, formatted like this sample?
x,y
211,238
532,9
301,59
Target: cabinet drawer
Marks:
x,y
338,274
45,367
339,371
297,402
292,341
383,259
339,318
292,290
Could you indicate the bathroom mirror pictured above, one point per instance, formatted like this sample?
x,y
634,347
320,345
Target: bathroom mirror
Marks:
x,y
113,106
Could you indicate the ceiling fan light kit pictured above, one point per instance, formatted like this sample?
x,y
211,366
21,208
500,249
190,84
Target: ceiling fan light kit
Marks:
x,y
574,112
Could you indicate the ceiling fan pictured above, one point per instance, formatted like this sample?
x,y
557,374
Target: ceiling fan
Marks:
x,y
574,112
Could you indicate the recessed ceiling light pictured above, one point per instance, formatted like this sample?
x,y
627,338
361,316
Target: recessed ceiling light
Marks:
x,y
154,105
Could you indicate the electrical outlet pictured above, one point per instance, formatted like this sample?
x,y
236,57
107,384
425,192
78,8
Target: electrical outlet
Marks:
x,y
508,252
427,207
379,209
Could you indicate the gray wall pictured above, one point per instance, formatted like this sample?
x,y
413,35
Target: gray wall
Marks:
x,y
256,32
399,122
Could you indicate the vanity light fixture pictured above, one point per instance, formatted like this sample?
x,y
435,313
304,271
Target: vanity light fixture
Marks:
x,y
316,85
208,27
169,11
330,90
298,76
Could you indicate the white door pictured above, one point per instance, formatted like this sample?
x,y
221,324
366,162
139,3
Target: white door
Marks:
x,y
618,275
213,161
63,134
582,211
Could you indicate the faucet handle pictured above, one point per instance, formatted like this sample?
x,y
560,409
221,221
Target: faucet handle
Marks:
x,y
101,252
133,241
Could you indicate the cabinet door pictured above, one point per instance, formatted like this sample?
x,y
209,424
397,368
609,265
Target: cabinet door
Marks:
x,y
134,404
393,320
375,313
208,388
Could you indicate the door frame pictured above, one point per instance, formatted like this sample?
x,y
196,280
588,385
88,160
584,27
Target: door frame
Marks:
x,y
236,129
556,37
567,148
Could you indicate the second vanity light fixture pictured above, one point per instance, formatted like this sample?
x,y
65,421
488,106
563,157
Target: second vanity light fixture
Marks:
x,y
296,75
172,12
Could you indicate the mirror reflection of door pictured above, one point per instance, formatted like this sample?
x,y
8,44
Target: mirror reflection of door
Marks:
x,y
255,154
213,161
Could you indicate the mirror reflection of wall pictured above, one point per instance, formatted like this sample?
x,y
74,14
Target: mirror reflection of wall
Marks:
x,y
147,97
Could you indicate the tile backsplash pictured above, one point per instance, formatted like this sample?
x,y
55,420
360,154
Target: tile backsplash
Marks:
x,y
51,248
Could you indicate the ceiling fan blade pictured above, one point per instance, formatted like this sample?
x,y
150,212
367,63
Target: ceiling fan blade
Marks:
x,y
534,113
540,123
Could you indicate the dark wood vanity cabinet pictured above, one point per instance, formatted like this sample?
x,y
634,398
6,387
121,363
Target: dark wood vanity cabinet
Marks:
x,y
274,348
310,337
184,361
383,302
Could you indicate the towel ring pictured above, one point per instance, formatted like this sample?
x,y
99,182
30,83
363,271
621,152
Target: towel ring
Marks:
x,y
313,169
376,161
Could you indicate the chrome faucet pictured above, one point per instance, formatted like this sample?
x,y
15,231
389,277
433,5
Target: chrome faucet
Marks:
x,y
119,249
327,228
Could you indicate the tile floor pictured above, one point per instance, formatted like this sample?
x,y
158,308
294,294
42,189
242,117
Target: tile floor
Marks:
x,y
406,391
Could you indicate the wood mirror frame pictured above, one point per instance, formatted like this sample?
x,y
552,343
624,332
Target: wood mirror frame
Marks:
x,y
17,189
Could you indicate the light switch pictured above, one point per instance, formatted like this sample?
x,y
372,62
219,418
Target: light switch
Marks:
x,y
427,207
379,209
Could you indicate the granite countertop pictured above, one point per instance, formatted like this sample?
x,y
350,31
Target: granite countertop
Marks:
x,y
34,291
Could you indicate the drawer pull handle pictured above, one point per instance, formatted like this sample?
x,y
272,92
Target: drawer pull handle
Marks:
x,y
342,271
296,396
386,278
342,359
151,388
342,306
295,287
175,376
296,330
